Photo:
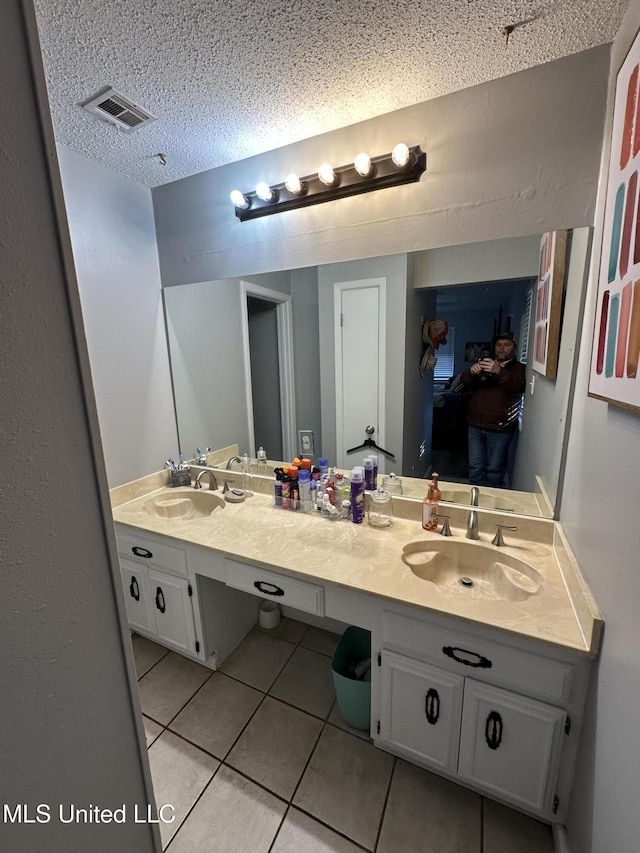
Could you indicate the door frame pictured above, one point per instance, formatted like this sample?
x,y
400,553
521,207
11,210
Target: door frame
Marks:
x,y
284,325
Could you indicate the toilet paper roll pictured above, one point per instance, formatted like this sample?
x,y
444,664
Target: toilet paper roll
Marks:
x,y
269,614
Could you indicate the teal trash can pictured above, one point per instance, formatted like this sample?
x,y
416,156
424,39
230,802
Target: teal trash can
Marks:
x,y
353,694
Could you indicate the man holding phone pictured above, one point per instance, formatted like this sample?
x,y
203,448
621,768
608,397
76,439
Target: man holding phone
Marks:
x,y
496,386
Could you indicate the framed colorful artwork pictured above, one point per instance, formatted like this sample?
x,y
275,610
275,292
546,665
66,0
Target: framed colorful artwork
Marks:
x,y
548,303
615,352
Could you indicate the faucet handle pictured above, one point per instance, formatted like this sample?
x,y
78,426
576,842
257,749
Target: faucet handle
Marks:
x,y
497,539
446,530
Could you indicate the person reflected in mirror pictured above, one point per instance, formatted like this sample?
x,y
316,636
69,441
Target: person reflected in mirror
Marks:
x,y
495,386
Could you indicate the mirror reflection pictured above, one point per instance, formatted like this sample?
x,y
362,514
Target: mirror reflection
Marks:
x,y
307,359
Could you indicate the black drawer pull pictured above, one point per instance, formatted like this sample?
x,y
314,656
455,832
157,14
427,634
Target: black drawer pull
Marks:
x,y
142,552
160,600
134,589
493,730
470,659
268,588
432,706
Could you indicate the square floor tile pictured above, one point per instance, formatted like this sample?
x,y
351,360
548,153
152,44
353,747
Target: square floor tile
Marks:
x,y
287,629
169,685
179,772
345,785
275,747
508,831
306,682
427,813
336,719
234,815
302,834
146,654
258,660
218,712
152,730
319,640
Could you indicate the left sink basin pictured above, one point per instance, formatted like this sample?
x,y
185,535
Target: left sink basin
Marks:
x,y
182,504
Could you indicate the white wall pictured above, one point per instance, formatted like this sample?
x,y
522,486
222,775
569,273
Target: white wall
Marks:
x,y
509,158
600,514
69,718
114,247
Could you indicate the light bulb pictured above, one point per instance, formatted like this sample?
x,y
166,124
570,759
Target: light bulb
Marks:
x,y
264,191
400,155
239,199
327,175
362,165
294,184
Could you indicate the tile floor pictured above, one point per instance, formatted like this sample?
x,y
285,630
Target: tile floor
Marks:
x,y
255,758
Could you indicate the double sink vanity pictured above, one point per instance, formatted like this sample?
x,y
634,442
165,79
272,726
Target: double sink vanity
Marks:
x,y
480,654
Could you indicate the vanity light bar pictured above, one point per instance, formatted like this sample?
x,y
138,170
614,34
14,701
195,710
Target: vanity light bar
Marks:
x,y
384,172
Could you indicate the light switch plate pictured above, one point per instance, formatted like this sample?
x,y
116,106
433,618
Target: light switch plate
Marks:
x,y
306,442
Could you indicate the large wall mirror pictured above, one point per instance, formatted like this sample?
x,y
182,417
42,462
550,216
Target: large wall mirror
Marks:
x,y
335,348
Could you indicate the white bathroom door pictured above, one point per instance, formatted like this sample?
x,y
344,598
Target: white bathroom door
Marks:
x,y
359,323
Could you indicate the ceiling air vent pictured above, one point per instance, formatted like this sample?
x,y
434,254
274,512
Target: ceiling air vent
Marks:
x,y
113,107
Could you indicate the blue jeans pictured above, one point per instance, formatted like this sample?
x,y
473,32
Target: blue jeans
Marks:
x,y
488,451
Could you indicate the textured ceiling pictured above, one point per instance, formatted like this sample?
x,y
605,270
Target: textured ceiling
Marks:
x,y
228,79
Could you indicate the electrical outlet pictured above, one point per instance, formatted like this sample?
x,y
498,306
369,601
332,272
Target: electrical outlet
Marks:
x,y
306,442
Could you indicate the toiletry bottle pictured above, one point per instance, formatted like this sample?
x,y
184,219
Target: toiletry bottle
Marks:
x,y
374,457
345,511
323,465
357,495
436,488
304,485
367,464
430,511
286,490
277,486
261,458
295,490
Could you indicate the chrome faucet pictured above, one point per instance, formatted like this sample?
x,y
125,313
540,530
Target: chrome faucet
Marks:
x,y
213,483
472,525
472,520
232,460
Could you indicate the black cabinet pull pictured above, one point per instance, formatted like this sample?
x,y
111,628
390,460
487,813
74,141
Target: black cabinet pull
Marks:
x,y
469,659
432,706
160,600
134,589
268,588
493,730
142,552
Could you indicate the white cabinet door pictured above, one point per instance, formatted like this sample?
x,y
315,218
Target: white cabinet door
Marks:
x,y
172,611
510,745
420,710
136,596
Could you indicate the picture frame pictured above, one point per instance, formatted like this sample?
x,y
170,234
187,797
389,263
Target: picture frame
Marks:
x,y
547,314
615,351
475,350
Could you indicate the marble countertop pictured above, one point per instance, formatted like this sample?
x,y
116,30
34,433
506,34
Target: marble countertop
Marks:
x,y
369,560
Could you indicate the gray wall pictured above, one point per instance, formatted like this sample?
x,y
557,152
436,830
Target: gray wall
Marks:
x,y
547,409
68,706
116,259
509,158
600,514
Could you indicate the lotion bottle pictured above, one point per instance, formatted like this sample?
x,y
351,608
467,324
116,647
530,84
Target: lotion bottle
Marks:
x,y
430,510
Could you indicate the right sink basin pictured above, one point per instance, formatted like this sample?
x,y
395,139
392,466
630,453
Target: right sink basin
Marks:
x,y
473,569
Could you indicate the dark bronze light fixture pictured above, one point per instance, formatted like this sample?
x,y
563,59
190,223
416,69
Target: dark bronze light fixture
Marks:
x,y
404,165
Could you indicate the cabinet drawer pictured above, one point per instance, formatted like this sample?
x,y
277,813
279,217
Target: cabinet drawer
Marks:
x,y
151,551
487,660
268,584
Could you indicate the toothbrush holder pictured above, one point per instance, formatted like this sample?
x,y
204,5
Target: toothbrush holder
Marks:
x,y
181,478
